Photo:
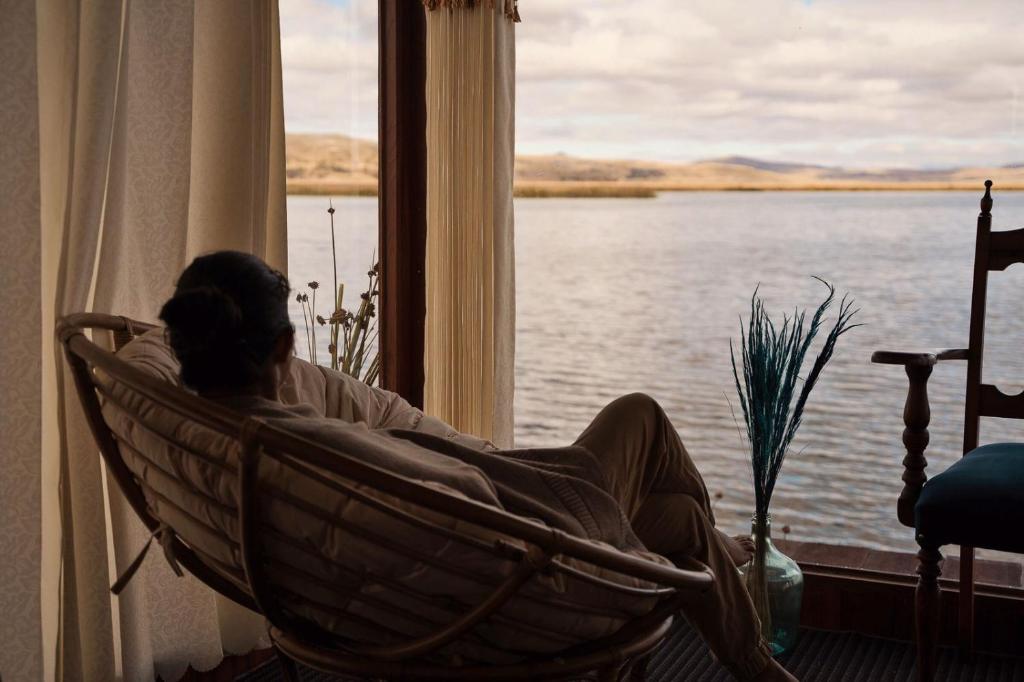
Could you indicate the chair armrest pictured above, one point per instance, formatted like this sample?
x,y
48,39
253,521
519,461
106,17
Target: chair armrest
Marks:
x,y
891,357
916,416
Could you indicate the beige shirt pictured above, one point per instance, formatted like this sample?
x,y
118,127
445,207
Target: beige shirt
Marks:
x,y
339,396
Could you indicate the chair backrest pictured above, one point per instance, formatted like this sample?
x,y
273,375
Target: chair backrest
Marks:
x,y
994,251
236,499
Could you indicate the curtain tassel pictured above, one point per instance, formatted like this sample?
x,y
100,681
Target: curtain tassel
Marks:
x,y
165,536
511,7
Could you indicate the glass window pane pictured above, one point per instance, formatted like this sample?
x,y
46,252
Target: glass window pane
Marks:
x,y
618,292
329,63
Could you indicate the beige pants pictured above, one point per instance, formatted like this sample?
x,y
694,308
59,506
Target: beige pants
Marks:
x,y
664,497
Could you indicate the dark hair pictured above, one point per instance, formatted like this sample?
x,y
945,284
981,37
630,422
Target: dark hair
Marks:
x,y
227,313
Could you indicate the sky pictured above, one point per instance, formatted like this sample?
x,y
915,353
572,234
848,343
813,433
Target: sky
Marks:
x,y
855,83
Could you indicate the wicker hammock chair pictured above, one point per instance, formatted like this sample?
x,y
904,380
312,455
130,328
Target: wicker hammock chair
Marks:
x,y
233,545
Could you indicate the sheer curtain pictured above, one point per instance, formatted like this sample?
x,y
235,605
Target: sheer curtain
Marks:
x,y
133,135
470,269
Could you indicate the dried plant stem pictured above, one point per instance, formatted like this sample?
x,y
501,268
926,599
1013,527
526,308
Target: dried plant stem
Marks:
x,y
334,249
757,577
307,321
312,327
335,325
770,358
373,371
351,335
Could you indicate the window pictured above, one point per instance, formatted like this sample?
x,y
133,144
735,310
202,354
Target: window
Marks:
x,y
329,64
637,124
618,292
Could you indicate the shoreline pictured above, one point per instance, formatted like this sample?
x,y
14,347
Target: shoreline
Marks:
x,y
615,190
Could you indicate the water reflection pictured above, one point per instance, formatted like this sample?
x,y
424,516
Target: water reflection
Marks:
x,y
643,295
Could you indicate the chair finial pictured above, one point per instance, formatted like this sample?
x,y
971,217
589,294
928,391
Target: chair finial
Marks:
x,y
986,201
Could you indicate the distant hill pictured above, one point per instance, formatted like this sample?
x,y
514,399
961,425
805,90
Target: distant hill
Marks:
x,y
330,164
337,164
778,167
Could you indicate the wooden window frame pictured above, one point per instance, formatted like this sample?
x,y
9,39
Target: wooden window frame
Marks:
x,y
402,192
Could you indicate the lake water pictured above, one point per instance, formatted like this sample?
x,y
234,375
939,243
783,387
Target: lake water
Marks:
x,y
620,295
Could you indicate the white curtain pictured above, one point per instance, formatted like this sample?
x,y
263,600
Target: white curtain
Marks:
x,y
470,269
133,136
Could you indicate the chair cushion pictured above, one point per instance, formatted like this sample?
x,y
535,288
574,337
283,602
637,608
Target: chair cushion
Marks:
x,y
978,502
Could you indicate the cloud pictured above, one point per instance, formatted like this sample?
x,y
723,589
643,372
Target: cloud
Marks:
x,y
329,66
909,83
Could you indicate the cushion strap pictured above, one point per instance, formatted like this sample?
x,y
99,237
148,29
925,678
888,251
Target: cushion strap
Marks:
x,y
165,536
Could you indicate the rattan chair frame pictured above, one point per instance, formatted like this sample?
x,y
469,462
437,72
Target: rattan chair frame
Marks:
x,y
534,548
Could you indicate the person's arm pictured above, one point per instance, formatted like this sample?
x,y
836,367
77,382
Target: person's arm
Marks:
x,y
352,400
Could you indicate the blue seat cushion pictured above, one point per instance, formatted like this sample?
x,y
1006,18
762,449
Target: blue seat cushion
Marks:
x,y
978,502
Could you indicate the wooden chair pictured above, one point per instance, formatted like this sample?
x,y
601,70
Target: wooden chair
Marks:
x,y
975,501
265,582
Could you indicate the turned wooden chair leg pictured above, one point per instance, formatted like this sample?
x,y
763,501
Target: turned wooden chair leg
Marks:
x,y
288,667
966,620
928,612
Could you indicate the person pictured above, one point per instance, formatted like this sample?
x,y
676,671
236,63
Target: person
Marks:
x,y
627,480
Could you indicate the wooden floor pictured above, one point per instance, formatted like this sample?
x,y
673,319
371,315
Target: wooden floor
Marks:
x,y
823,656
231,668
819,656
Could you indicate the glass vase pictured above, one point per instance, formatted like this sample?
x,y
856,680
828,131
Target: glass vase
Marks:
x,y
776,586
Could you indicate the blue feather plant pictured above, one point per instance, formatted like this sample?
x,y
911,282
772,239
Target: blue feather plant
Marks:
x,y
767,381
